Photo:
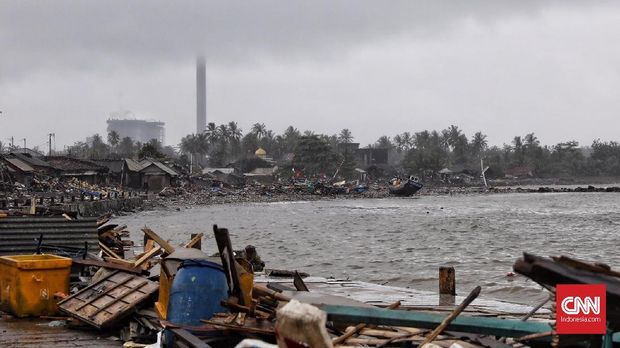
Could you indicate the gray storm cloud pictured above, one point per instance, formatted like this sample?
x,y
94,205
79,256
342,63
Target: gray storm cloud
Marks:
x,y
503,67
105,34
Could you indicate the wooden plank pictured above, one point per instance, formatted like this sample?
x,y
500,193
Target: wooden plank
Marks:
x,y
194,241
189,338
299,283
245,329
109,252
358,327
90,287
119,298
103,303
148,245
89,262
98,296
380,316
229,264
154,236
578,264
122,262
147,256
450,318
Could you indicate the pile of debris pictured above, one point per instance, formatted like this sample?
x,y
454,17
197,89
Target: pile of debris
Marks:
x,y
201,190
178,296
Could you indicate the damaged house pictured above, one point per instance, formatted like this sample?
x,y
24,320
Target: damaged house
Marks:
x,y
83,170
147,175
40,166
19,170
115,168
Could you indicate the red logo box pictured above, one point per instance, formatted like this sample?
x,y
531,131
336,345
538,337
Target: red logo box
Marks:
x,y
580,309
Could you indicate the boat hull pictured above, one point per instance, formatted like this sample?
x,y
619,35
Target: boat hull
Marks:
x,y
406,189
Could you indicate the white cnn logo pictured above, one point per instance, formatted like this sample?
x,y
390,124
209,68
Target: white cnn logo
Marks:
x,y
573,305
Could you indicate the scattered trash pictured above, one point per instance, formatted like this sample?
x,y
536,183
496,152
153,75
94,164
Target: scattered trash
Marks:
x,y
57,323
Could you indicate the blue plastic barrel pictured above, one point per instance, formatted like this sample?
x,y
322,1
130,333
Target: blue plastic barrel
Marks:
x,y
197,290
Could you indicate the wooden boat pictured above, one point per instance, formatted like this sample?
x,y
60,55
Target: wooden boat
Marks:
x,y
405,187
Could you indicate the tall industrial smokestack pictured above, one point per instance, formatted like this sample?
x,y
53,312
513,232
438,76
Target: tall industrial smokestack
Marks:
x,y
201,95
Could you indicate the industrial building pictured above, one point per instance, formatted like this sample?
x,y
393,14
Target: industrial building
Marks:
x,y
138,130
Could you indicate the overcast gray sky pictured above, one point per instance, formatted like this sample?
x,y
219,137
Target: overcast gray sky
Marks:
x,y
505,68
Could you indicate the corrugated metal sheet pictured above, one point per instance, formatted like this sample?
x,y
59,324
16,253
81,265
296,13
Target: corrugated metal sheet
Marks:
x,y
19,235
24,167
165,168
134,166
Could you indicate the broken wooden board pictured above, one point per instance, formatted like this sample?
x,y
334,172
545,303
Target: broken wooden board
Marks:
x,y
154,236
110,265
105,302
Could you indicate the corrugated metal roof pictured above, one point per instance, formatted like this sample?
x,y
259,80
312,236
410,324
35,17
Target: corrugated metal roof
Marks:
x,y
19,234
136,166
115,166
70,164
33,161
165,168
23,166
221,170
133,165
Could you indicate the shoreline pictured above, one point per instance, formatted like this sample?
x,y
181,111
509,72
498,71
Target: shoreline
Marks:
x,y
233,197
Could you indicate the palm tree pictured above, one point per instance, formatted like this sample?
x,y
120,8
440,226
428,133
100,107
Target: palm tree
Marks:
x,y
235,134
345,136
125,147
454,136
223,133
407,140
113,138
384,142
478,143
531,140
289,139
98,148
259,130
234,131
518,149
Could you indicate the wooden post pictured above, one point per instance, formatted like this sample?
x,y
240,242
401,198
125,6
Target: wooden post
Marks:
x,y
447,281
198,244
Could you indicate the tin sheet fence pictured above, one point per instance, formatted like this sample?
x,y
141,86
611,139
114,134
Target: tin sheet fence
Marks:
x,y
20,235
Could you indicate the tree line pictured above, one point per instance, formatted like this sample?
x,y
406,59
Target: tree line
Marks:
x,y
421,153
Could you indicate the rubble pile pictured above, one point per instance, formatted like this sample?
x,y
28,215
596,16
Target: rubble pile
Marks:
x,y
178,296
206,189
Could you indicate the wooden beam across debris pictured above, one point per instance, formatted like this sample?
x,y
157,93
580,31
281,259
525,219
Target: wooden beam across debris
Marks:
x,y
478,325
